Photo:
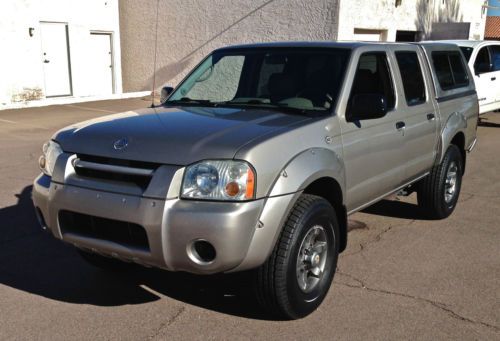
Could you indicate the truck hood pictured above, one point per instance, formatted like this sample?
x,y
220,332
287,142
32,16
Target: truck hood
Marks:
x,y
177,136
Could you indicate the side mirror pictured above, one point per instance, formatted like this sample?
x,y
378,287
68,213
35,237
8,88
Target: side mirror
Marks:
x,y
482,68
366,107
165,92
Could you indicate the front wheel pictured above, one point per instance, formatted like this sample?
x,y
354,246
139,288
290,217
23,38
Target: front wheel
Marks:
x,y
438,192
295,279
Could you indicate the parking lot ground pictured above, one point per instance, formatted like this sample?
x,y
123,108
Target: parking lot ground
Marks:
x,y
401,277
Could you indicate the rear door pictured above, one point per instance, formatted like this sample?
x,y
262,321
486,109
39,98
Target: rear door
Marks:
x,y
373,156
417,110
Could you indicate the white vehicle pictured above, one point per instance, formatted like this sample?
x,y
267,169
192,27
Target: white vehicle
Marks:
x,y
483,58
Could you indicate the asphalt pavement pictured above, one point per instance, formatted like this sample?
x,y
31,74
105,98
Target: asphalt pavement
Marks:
x,y
401,277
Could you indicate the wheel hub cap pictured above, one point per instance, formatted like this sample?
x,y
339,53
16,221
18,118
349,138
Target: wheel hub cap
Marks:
x,y
451,182
311,260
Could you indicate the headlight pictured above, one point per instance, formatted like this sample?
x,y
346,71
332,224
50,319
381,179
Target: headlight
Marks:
x,y
219,180
51,150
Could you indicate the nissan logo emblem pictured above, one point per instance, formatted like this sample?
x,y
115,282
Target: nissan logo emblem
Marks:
x,y
120,144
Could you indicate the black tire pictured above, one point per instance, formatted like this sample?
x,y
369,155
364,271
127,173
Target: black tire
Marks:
x,y
106,263
277,283
431,190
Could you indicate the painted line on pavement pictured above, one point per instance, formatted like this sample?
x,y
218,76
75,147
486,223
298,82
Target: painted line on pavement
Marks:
x,y
7,121
90,109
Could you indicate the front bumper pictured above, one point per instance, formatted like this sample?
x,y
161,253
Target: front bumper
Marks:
x,y
243,234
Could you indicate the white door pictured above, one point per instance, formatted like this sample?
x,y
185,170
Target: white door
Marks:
x,y
101,64
495,78
484,79
55,59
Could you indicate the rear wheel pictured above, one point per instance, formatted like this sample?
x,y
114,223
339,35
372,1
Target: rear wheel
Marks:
x,y
295,279
438,192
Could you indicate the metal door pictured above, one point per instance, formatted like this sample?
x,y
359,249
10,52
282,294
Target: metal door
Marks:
x,y
55,59
101,64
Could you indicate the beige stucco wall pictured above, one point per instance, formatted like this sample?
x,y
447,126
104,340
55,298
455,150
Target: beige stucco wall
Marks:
x,y
411,15
190,29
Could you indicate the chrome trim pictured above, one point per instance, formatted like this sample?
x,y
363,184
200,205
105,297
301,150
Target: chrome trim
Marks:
x,y
77,163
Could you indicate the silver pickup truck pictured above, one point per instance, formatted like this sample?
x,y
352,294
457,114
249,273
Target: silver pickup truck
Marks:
x,y
257,158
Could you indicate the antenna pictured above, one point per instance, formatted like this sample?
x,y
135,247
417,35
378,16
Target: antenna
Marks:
x,y
154,62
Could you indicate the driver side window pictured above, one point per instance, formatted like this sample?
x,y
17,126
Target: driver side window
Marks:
x,y
482,64
372,81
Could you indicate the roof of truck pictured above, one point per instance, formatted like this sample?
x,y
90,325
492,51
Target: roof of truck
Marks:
x,y
327,44
468,43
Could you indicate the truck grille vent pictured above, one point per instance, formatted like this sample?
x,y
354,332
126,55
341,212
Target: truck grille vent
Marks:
x,y
120,232
128,171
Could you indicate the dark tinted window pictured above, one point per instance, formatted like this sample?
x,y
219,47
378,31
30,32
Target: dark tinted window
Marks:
x,y
482,63
373,77
495,57
458,68
443,70
450,69
411,75
269,66
467,51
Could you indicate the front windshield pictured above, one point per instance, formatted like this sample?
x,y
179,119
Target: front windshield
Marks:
x,y
301,78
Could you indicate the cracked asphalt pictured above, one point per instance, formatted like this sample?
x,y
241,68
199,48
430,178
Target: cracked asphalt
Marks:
x,y
401,277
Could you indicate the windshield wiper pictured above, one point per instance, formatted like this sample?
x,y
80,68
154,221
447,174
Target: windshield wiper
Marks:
x,y
265,105
187,100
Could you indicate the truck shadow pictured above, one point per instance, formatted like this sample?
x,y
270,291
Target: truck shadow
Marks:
x,y
33,261
396,209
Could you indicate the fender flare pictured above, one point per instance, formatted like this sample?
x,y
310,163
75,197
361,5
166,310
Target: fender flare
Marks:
x,y
301,171
305,168
456,123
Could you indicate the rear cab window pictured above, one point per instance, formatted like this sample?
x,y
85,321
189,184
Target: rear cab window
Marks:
x,y
450,69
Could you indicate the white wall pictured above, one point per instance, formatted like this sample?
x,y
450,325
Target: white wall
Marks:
x,y
21,66
411,15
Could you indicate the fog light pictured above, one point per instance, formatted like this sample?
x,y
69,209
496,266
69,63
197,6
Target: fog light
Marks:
x,y
204,251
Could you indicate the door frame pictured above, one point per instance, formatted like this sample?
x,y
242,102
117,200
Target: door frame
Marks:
x,y
66,26
112,47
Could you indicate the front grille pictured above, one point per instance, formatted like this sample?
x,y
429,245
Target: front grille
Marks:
x,y
139,180
120,232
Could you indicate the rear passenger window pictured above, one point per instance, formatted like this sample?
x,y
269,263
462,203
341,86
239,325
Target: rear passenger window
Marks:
x,y
450,69
411,75
373,76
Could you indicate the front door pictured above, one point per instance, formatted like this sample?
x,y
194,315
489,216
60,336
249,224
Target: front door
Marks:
x,y
373,148
495,77
101,64
55,59
485,78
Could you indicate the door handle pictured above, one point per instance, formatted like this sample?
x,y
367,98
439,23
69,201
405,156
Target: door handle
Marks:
x,y
400,125
493,78
431,117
